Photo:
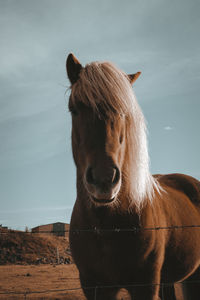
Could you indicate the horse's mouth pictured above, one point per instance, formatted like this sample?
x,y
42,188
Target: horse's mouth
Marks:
x,y
102,201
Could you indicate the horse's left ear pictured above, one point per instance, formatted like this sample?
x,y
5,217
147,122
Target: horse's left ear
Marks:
x,y
133,77
73,67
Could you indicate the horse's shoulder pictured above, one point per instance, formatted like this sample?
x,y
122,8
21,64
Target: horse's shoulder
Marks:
x,y
184,183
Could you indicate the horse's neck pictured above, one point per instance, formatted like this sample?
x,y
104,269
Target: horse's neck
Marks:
x,y
106,217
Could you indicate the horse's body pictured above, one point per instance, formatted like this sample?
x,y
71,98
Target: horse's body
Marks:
x,y
123,238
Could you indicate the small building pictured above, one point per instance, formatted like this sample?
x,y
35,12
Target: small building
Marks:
x,y
3,228
58,229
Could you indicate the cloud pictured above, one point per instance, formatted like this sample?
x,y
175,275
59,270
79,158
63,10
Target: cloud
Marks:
x,y
168,128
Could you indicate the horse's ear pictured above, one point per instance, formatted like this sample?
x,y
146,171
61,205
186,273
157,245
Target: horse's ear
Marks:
x,y
73,67
133,77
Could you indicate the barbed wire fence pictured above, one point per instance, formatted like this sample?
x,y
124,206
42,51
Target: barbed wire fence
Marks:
x,y
99,231
95,288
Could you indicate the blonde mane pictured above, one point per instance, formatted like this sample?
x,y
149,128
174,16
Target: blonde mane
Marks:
x,y
103,87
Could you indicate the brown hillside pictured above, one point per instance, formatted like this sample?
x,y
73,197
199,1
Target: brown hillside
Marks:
x,y
17,247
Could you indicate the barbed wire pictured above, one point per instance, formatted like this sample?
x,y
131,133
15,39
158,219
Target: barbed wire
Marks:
x,y
40,292
100,230
162,284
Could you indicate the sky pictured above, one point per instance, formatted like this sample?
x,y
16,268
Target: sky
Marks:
x,y
157,37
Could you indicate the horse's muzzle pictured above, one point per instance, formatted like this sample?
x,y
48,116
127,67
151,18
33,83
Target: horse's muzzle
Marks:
x,y
103,183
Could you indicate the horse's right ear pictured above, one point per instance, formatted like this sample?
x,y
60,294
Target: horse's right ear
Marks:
x,y
73,67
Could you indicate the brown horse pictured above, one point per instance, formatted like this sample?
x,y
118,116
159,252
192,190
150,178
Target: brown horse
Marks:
x,y
128,229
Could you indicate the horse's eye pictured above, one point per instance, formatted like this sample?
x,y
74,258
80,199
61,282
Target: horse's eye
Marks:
x,y
121,139
73,111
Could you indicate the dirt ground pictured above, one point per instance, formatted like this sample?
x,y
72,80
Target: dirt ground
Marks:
x,y
44,282
34,282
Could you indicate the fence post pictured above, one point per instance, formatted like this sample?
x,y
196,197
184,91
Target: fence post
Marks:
x,y
162,291
95,293
58,256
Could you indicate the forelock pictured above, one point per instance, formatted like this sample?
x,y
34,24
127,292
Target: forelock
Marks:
x,y
104,88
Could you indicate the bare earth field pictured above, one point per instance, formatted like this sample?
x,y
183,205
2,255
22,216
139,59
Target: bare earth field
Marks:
x,y
42,282
38,279
45,282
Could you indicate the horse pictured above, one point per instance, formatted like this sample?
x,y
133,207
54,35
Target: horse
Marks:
x,y
129,229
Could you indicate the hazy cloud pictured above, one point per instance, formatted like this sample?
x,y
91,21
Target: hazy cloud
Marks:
x,y
168,128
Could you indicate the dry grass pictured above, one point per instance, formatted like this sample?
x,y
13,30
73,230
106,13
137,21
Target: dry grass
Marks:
x,y
27,248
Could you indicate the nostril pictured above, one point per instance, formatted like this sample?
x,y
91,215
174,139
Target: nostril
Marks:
x,y
89,176
116,175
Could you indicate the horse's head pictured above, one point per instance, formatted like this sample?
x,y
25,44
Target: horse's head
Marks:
x,y
99,126
98,151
